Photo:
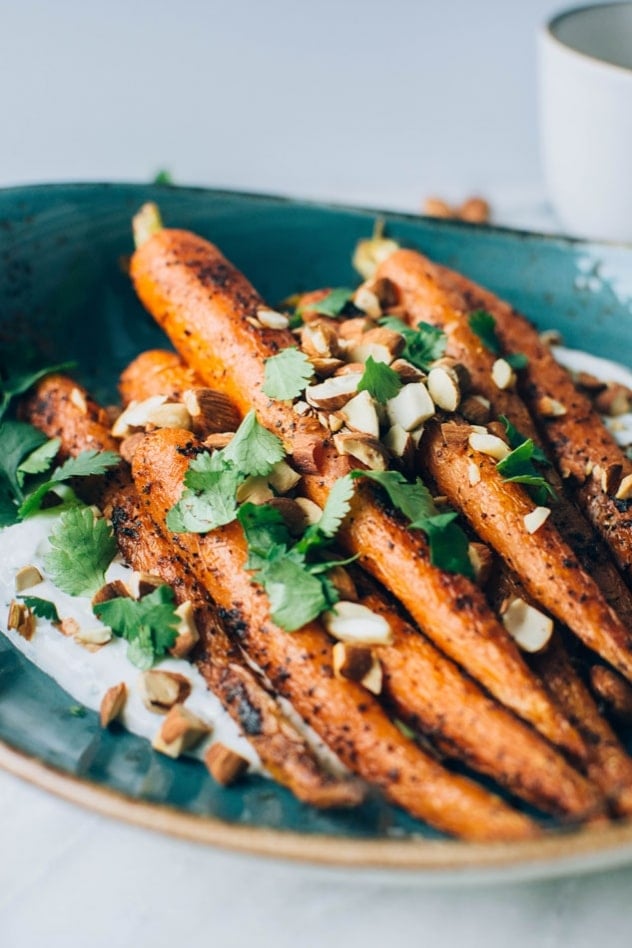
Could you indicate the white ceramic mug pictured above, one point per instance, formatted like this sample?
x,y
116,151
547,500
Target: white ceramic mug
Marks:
x,y
586,118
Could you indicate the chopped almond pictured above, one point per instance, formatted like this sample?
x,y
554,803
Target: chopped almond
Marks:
x,y
529,627
224,764
363,447
319,340
625,488
353,622
550,407
411,407
534,520
114,590
271,319
68,626
211,412
360,414
503,375
482,560
382,344
306,454
95,636
488,444
187,635
454,433
370,253
333,393
407,371
312,511
181,730
112,703
283,478
476,409
615,400
27,577
215,442
161,690
22,619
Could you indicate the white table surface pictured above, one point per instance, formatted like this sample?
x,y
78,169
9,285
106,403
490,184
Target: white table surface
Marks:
x,y
358,102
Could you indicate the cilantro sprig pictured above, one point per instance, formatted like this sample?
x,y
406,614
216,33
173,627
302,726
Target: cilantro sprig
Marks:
x,y
81,549
209,499
148,624
42,608
86,464
518,468
424,344
294,572
379,380
449,545
483,325
287,374
334,303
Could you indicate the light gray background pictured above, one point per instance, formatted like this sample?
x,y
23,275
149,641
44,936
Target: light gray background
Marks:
x,y
374,102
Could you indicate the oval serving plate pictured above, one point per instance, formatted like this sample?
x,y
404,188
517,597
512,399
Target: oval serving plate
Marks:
x,y
64,293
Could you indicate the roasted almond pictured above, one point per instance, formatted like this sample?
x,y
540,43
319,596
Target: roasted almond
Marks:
x,y
407,371
482,560
94,636
615,400
319,340
475,210
382,344
187,635
254,490
489,444
363,447
355,623
357,663
283,478
370,253
307,453
27,577
476,409
503,375
625,488
550,407
112,703
534,520
360,413
215,442
22,619
211,412
292,514
333,393
224,764
411,407
271,319
529,627
161,690
181,730
454,433
113,590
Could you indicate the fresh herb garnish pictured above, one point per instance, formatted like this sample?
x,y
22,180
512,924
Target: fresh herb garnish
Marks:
x,y
163,177
82,548
483,325
17,442
516,438
40,460
334,303
518,468
149,624
424,345
86,464
17,383
42,608
379,380
212,480
77,711
449,545
289,570
287,374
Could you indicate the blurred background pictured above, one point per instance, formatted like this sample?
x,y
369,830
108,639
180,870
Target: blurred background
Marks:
x,y
360,101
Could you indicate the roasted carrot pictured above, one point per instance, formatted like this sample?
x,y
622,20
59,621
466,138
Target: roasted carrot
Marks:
x,y
583,447
430,690
57,407
425,294
284,752
156,372
299,666
546,565
207,308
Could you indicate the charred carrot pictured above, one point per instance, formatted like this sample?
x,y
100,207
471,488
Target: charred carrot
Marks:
x,y
299,666
209,311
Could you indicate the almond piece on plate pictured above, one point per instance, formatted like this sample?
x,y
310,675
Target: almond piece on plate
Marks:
x,y
211,412
363,447
530,628
333,393
112,703
411,407
381,343
360,414
161,690
224,764
444,387
187,635
319,340
27,577
355,623
113,590
22,619
181,730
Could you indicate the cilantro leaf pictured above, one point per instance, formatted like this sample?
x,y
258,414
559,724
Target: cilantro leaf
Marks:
x,y
39,460
424,345
334,303
449,545
516,438
483,325
334,512
254,449
287,374
214,506
379,380
20,382
82,548
149,624
163,177
17,441
265,530
86,464
296,596
43,608
518,468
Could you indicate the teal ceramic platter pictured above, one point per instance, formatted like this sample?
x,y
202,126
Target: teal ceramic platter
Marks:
x,y
64,293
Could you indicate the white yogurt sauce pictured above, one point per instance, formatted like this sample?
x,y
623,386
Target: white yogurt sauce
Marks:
x,y
87,675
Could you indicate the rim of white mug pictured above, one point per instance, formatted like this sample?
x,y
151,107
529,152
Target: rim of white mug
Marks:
x,y
549,27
